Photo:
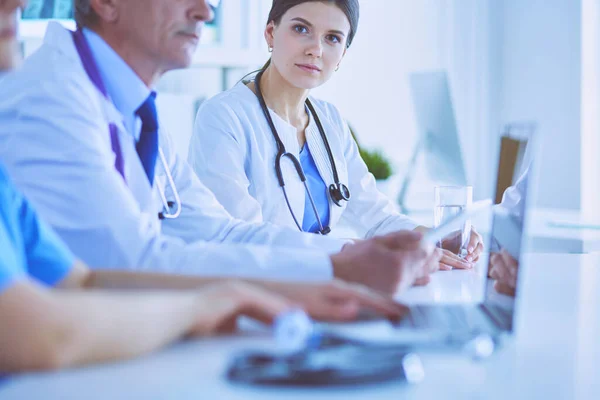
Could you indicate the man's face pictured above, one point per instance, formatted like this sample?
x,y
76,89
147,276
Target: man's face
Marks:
x,y
166,31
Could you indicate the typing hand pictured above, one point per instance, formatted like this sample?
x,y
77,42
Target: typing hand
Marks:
x,y
336,300
220,304
386,263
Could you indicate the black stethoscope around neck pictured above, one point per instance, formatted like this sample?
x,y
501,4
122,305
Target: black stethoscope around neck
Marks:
x,y
337,190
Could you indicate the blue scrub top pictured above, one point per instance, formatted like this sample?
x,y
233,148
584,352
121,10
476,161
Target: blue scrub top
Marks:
x,y
28,247
318,189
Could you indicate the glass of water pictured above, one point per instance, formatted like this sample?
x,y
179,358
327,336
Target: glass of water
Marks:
x,y
449,201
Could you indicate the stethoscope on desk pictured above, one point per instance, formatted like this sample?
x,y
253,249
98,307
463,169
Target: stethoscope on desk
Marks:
x,y
91,69
337,190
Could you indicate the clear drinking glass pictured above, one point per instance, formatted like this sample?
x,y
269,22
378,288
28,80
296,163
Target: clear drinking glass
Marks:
x,y
449,201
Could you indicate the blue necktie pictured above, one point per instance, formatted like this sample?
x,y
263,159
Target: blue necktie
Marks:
x,y
147,146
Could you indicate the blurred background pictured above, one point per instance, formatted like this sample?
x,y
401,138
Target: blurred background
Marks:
x,y
506,62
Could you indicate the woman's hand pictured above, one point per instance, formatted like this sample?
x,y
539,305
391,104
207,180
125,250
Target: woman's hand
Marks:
x,y
450,259
504,269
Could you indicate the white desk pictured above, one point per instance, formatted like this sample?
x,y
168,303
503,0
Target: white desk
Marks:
x,y
549,238
545,237
556,355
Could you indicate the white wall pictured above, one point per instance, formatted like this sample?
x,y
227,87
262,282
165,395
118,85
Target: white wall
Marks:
x,y
397,37
473,65
590,130
371,89
508,60
540,79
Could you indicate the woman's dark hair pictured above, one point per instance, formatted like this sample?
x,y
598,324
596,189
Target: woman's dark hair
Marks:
x,y
348,7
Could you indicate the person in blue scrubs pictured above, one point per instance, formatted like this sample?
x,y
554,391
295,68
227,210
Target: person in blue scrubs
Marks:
x,y
40,291
34,261
43,288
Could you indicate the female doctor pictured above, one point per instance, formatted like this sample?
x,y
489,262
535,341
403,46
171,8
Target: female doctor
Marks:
x,y
269,152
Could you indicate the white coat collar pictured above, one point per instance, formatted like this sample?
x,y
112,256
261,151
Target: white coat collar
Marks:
x,y
60,39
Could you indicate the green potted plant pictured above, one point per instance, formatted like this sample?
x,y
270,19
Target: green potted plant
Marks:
x,y
377,164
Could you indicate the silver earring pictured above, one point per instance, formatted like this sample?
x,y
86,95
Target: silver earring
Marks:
x,y
270,49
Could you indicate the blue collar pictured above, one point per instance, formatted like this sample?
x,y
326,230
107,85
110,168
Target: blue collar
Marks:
x,y
126,90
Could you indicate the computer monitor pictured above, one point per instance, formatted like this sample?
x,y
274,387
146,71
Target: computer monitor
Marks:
x,y
36,15
48,9
438,137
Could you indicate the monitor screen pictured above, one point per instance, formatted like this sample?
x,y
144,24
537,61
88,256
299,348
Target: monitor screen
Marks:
x,y
38,12
438,133
48,9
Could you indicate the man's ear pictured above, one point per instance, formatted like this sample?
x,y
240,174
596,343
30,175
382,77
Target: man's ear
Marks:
x,y
107,10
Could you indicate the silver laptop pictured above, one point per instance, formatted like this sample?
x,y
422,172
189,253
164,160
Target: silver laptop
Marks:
x,y
495,315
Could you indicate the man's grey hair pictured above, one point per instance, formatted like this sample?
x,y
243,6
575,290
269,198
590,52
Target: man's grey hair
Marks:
x,y
85,16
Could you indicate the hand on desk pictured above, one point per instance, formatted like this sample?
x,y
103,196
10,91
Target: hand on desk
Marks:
x,y
503,269
389,263
451,247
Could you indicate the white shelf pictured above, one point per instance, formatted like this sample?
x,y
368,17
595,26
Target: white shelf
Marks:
x,y
220,57
36,28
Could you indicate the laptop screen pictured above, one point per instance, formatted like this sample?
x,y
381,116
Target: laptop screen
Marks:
x,y
507,239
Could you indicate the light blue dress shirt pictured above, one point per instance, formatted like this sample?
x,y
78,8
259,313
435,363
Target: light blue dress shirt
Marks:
x,y
28,247
318,189
125,88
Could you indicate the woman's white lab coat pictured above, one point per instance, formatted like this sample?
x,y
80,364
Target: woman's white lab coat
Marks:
x,y
233,152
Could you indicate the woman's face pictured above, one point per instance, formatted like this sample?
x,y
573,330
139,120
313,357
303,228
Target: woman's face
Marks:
x,y
308,43
9,44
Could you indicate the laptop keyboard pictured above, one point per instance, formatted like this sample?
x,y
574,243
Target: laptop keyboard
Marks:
x,y
454,318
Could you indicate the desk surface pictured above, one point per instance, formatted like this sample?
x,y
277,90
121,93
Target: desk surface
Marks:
x,y
545,232
555,354
548,236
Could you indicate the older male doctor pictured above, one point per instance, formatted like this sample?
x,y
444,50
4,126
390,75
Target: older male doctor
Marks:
x,y
80,137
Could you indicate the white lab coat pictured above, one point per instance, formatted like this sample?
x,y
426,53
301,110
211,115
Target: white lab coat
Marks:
x,y
513,198
233,152
54,141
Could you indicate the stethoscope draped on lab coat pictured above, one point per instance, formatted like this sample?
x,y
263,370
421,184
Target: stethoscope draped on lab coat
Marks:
x,y
233,152
338,191
171,209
